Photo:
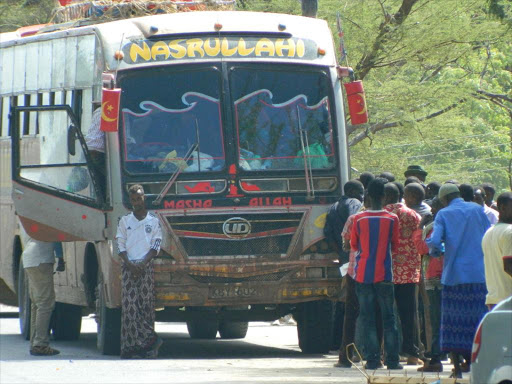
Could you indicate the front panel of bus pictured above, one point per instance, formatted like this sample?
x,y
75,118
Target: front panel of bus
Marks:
x,y
251,152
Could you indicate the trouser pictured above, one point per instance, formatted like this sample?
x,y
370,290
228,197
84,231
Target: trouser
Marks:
x,y
423,319
367,294
406,302
42,295
337,325
350,319
434,297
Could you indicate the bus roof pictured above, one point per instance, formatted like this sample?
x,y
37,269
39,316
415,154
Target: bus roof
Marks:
x,y
115,34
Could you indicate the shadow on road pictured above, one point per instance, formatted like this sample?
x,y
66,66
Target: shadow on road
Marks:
x,y
177,346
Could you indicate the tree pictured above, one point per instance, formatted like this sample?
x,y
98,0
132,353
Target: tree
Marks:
x,y
309,8
15,14
436,78
436,75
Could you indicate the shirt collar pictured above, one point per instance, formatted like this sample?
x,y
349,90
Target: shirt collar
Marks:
x,y
456,201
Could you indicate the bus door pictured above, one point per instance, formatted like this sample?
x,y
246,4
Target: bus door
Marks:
x,y
57,196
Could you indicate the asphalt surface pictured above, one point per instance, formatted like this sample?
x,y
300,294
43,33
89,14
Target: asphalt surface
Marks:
x,y
269,354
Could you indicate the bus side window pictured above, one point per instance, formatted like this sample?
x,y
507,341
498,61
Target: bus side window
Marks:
x,y
54,164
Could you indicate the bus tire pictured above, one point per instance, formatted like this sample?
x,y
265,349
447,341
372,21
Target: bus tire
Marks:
x,y
314,326
24,302
66,321
108,321
233,329
201,329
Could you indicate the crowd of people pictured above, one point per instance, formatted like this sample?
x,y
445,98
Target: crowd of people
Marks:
x,y
425,262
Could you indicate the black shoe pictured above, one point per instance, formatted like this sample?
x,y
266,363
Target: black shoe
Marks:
x,y
396,366
61,265
343,364
44,351
373,366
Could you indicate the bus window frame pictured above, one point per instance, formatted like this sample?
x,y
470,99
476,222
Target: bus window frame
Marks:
x,y
291,67
99,202
130,177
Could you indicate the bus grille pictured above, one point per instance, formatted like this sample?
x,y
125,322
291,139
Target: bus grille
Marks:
x,y
276,276
269,234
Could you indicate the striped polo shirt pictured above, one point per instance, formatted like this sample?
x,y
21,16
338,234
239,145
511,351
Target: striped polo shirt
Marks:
x,y
374,236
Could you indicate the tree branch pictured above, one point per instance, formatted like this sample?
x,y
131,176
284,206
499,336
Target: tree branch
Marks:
x,y
368,61
494,95
488,58
381,126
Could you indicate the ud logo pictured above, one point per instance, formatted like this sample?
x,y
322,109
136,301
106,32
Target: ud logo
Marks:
x,y
236,227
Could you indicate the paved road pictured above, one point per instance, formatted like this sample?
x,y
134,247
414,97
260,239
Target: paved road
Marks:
x,y
269,354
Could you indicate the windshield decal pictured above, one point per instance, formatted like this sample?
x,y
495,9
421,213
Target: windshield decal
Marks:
x,y
157,139
269,133
145,51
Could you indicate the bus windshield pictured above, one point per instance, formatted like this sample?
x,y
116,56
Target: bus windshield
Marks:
x,y
165,113
282,118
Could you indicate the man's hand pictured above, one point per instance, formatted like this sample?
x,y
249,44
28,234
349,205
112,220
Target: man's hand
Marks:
x,y
507,265
136,269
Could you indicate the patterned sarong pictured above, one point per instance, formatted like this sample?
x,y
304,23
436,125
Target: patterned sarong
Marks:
x,y
463,307
138,313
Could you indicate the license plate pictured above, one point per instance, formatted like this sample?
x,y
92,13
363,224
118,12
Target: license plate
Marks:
x,y
228,292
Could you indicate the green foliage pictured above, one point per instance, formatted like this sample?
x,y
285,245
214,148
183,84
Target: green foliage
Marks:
x,y
441,79
437,75
18,13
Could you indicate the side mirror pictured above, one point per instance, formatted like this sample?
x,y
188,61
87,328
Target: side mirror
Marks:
x,y
72,136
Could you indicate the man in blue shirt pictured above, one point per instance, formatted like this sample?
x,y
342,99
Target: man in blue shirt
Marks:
x,y
458,231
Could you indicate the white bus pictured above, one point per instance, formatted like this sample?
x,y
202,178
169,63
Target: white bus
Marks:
x,y
253,99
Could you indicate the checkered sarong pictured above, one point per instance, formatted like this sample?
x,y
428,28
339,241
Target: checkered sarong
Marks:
x,y
462,308
138,313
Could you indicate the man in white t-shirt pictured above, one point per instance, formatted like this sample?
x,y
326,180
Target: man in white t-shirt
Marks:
x,y
95,138
497,247
95,141
138,239
479,198
38,259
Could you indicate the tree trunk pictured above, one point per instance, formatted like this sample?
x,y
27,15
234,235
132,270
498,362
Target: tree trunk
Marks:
x,y
309,8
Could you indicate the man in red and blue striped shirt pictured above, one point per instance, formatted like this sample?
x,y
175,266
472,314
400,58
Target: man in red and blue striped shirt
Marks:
x,y
375,234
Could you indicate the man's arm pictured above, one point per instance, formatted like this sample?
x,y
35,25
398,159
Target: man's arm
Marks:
x,y
435,242
156,240
57,246
507,252
507,264
354,236
484,220
395,236
121,247
345,234
354,207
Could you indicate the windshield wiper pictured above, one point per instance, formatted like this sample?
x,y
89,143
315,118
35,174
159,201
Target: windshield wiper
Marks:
x,y
308,169
175,175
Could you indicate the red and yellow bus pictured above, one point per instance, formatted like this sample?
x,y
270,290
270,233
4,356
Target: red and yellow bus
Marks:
x,y
233,122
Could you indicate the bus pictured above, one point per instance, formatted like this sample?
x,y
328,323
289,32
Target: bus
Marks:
x,y
233,123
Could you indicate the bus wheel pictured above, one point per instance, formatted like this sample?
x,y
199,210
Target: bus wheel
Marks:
x,y
23,303
108,322
314,326
66,321
201,329
233,329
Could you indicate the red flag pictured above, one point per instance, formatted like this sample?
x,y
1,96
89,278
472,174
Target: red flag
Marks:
x,y
356,102
110,109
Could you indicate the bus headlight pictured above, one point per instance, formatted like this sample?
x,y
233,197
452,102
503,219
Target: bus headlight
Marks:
x,y
315,273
